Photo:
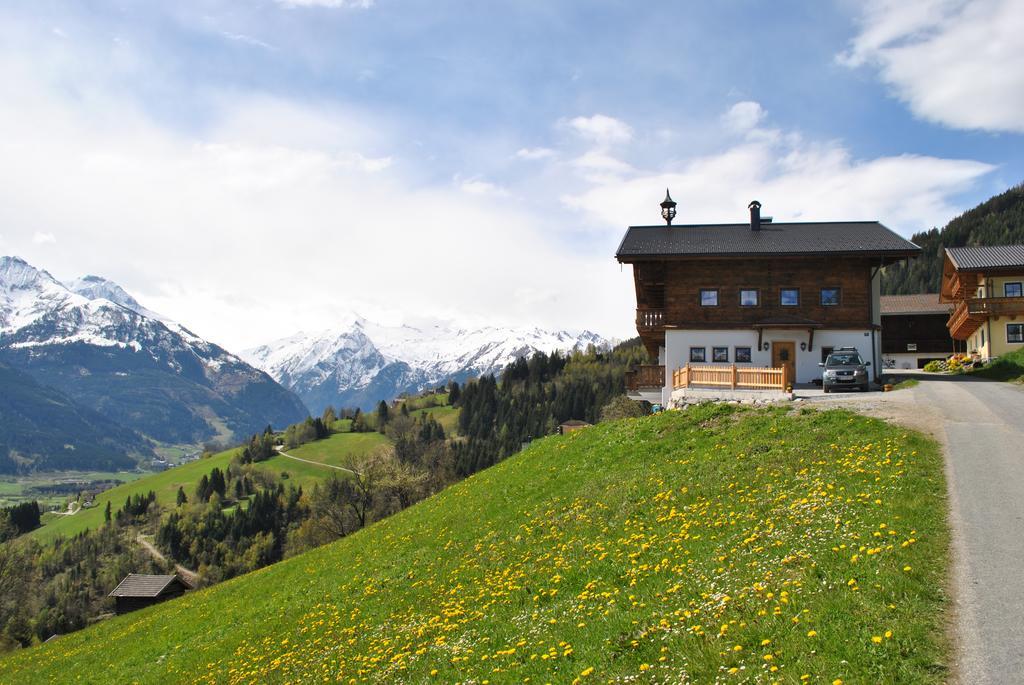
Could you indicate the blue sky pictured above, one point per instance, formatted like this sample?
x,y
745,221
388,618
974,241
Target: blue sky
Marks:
x,y
233,161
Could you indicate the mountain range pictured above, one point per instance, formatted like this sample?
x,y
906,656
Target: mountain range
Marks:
x,y
94,346
360,362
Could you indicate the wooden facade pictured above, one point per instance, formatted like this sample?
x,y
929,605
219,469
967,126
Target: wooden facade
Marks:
x,y
669,294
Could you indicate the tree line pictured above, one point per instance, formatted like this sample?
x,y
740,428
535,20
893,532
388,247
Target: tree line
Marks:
x,y
997,221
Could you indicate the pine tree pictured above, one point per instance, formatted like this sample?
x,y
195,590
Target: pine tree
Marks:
x,y
182,499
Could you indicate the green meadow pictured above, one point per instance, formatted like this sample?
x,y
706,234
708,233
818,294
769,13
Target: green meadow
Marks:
x,y
721,544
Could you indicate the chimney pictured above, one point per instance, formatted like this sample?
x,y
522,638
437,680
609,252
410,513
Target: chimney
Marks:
x,y
755,215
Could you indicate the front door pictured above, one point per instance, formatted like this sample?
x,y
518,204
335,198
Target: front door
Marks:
x,y
784,356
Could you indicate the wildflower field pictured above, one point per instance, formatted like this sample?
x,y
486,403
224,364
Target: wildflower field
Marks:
x,y
716,545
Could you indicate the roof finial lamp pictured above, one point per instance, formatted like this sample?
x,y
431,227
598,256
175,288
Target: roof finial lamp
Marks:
x,y
668,208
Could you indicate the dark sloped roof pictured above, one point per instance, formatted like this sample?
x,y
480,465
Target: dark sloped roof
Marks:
x,y
987,257
143,585
914,304
774,239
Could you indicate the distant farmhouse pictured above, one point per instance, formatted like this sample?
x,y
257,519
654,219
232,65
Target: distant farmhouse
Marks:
x,y
914,330
985,285
139,590
754,305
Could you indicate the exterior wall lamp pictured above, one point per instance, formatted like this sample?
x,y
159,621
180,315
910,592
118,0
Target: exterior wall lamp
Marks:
x,y
803,346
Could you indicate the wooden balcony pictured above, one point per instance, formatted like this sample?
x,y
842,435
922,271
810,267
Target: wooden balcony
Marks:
x,y
732,377
970,314
650,319
647,377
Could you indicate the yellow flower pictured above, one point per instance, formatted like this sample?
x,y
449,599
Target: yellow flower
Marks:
x,y
645,667
587,671
738,648
812,633
765,643
837,681
877,639
888,634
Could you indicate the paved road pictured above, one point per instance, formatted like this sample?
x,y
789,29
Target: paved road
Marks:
x,y
984,426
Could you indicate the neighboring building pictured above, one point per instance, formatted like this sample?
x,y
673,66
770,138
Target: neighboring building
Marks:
x,y
140,590
986,287
571,425
757,294
914,330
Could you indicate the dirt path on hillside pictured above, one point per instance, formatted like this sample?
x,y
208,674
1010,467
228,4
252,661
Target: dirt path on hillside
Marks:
x,y
190,576
315,463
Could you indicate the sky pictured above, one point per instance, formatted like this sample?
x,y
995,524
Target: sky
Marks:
x,y
252,169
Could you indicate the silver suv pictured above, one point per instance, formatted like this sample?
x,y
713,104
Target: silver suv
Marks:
x,y
844,368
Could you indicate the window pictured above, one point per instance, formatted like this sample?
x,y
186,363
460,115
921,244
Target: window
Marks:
x,y
749,297
1015,332
742,354
825,352
830,297
708,297
982,337
789,297
696,354
719,354
1012,289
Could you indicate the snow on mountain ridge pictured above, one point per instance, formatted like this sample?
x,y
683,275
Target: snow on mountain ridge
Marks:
x,y
342,362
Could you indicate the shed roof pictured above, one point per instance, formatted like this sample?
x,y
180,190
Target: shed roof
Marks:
x,y
979,257
925,303
144,585
866,238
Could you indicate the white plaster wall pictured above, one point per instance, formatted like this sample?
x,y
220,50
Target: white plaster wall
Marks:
x,y
909,360
679,342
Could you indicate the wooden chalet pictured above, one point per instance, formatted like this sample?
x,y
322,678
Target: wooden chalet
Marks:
x,y
139,590
985,285
914,330
753,305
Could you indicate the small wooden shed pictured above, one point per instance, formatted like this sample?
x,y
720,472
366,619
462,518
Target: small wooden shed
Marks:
x,y
139,590
572,425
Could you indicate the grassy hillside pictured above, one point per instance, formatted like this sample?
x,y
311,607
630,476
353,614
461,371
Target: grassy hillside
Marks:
x,y
719,544
1008,367
165,484
332,450
335,450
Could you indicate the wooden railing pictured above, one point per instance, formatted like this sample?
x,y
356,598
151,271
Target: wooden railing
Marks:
x,y
647,319
646,376
733,377
968,314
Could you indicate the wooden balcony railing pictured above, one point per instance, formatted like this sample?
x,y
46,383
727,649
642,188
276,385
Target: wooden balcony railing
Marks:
x,y
648,319
733,377
647,376
969,314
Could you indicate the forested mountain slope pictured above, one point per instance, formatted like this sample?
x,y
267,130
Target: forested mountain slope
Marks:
x,y
997,221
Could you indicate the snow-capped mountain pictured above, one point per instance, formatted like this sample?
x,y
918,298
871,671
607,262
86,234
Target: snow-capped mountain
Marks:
x,y
95,343
362,362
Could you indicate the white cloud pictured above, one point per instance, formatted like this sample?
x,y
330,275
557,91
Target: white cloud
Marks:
x,y
358,4
794,178
476,186
533,153
248,40
40,238
953,62
743,116
602,130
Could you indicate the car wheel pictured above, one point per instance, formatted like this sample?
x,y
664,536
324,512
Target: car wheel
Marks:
x,y
826,389
864,388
